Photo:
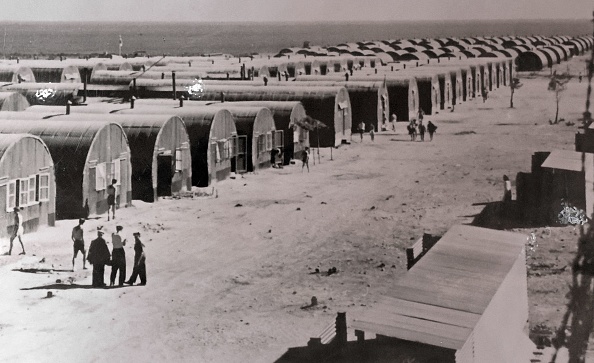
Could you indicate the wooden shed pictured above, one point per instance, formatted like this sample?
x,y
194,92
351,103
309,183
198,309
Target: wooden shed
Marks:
x,y
330,105
12,101
86,155
26,181
16,74
465,301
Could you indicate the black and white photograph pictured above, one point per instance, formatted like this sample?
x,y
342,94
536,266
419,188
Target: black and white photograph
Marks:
x,y
277,181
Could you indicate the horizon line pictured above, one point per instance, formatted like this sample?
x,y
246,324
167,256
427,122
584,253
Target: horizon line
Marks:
x,y
295,21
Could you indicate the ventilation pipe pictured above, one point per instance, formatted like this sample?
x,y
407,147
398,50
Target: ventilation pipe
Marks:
x,y
132,101
68,104
173,83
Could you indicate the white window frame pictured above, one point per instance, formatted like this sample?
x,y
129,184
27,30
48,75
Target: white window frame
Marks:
x,y
100,176
269,141
11,205
23,192
43,188
179,165
32,189
117,170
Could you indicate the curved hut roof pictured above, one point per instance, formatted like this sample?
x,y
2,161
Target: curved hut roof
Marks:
x,y
16,74
12,101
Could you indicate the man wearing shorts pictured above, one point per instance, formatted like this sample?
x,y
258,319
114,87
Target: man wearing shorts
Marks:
x,y
111,198
79,243
18,230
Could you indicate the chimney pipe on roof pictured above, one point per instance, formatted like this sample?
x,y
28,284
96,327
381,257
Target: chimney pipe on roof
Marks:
x,y
173,82
68,103
132,101
181,101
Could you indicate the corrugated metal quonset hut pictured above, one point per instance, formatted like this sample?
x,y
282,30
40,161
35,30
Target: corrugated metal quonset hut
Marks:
x,y
256,129
330,105
46,71
86,155
428,84
369,100
44,93
12,101
159,147
465,301
532,61
26,181
287,116
16,74
403,94
212,137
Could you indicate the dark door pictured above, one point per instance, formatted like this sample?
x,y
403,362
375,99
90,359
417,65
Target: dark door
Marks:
x,y
164,175
241,154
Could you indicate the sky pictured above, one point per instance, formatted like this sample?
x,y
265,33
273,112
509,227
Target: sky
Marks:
x,y
291,10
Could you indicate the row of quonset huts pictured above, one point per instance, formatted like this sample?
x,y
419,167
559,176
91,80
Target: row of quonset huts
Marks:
x,y
62,161
405,75
159,147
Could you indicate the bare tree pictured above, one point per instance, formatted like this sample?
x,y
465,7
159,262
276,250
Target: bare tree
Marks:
x,y
514,85
558,84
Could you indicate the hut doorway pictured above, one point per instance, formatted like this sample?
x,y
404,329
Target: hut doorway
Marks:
x,y
164,175
323,69
307,68
241,161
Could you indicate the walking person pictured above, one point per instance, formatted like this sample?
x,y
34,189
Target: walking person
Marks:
x,y
118,257
79,243
393,120
507,190
139,262
411,131
305,159
361,129
421,115
422,131
18,230
431,128
372,133
98,257
111,198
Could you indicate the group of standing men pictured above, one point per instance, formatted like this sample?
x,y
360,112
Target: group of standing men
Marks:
x,y
420,129
99,256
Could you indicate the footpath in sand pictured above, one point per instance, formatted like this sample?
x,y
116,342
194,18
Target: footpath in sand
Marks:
x,y
228,276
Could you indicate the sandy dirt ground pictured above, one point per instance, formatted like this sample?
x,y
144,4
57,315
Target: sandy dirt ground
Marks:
x,y
228,276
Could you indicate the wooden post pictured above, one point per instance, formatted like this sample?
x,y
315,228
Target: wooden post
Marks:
x,y
341,329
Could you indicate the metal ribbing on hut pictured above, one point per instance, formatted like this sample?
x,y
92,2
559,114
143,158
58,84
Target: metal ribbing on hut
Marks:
x,y
86,157
53,71
257,125
160,152
212,135
531,61
44,93
26,181
330,105
16,74
403,93
369,100
429,91
287,117
12,101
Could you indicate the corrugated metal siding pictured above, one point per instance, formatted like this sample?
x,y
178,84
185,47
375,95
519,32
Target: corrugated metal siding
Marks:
x,y
70,145
23,156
